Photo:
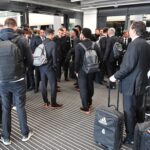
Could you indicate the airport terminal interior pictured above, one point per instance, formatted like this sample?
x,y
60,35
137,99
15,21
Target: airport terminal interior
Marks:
x,y
68,128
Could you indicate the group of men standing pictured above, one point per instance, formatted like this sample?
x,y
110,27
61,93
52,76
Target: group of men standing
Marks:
x,y
132,72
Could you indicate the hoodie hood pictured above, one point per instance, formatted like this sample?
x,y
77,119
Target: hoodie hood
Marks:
x,y
7,34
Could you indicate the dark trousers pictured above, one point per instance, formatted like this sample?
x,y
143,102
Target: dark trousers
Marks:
x,y
66,68
30,77
0,110
86,85
111,68
133,112
37,78
18,89
48,75
59,65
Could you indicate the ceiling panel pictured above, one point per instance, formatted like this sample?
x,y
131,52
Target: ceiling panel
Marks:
x,y
65,4
86,4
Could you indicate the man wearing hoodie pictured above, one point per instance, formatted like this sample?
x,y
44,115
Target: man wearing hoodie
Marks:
x,y
12,80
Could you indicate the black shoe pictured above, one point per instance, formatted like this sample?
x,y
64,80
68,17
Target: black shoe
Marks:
x,y
58,90
75,83
58,87
36,90
76,86
56,105
128,140
67,80
30,88
86,111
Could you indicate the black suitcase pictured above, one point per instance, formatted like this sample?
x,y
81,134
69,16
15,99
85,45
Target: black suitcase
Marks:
x,y
141,136
147,100
0,112
108,126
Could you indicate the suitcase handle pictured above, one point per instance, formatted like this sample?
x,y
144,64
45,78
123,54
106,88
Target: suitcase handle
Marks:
x,y
109,105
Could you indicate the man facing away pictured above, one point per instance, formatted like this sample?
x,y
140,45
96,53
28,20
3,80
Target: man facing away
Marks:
x,y
85,81
16,83
133,78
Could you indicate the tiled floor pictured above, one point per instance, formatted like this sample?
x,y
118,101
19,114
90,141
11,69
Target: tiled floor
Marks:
x,y
59,129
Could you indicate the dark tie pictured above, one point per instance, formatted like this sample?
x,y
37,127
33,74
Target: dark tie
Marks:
x,y
125,42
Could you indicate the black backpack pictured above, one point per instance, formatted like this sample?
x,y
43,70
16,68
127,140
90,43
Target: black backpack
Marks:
x,y
11,61
117,50
90,60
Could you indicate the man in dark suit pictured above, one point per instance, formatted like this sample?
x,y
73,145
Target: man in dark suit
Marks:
x,y
125,40
109,56
66,48
59,50
102,42
133,78
35,42
48,71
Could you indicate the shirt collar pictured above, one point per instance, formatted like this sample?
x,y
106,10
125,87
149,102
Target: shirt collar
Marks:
x,y
135,38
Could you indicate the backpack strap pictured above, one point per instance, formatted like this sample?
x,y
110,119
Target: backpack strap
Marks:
x,y
84,47
15,40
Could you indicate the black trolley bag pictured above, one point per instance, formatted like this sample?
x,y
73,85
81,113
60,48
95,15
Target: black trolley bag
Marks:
x,y
141,134
108,125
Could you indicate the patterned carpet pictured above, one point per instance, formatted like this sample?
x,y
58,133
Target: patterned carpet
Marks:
x,y
59,129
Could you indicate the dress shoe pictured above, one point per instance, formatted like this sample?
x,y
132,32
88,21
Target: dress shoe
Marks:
x,y
128,140
56,105
36,90
46,105
30,88
58,90
85,111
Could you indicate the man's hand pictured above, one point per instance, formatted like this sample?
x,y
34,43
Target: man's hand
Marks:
x,y
112,79
148,74
76,75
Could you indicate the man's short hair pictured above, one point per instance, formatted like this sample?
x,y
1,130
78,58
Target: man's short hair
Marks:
x,y
105,30
10,22
87,33
49,31
140,27
79,27
76,31
61,29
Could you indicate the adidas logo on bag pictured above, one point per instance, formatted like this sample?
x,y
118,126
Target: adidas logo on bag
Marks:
x,y
103,121
103,131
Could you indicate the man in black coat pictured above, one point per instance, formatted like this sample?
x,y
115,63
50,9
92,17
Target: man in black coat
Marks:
x,y
15,83
133,78
108,58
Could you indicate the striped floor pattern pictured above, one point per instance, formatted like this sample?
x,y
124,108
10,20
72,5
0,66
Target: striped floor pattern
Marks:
x,y
59,129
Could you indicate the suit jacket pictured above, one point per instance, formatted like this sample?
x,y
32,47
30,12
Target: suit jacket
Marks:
x,y
109,56
103,44
134,68
125,45
35,42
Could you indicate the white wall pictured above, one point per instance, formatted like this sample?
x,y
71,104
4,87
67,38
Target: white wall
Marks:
x,y
90,19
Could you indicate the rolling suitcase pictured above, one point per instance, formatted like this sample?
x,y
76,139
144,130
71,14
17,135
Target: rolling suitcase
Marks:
x,y
141,136
108,126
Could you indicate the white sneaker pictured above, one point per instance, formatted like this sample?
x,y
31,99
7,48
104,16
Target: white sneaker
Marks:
x,y
26,138
5,141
